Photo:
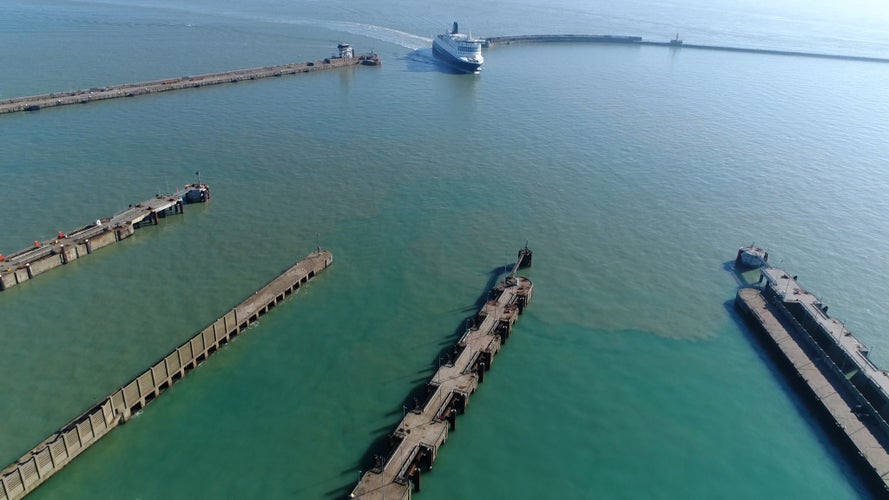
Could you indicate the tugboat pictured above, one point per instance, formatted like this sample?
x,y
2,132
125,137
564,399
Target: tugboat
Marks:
x,y
459,51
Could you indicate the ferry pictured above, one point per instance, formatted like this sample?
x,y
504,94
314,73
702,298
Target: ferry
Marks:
x,y
459,51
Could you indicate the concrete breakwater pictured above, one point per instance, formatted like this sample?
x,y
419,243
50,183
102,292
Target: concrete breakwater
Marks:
x,y
676,44
47,255
415,443
829,366
37,102
519,39
817,55
45,459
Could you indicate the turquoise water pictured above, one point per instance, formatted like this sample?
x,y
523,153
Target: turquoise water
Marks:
x,y
633,172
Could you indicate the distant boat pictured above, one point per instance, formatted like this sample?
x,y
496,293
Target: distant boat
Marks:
x,y
459,51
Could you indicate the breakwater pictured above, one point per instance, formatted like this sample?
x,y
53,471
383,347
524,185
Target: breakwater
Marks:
x,y
520,39
829,366
37,102
45,459
675,44
47,255
415,443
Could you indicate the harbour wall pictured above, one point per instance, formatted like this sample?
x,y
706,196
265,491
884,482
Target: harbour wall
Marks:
x,y
45,459
676,44
414,445
828,365
37,102
793,53
520,39
47,255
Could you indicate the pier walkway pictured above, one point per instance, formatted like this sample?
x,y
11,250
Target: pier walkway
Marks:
x,y
415,443
37,102
47,255
835,371
48,457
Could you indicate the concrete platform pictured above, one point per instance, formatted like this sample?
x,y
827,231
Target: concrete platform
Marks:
x,y
38,102
46,255
826,383
55,452
424,429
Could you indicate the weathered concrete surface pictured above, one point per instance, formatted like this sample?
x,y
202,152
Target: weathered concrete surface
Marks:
x,y
45,459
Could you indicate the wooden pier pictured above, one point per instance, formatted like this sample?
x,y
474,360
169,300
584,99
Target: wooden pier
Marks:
x,y
834,373
45,459
47,255
415,443
37,102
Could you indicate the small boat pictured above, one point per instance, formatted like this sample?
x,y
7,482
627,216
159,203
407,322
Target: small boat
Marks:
x,y
459,51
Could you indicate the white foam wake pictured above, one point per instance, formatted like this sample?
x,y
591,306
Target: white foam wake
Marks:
x,y
382,33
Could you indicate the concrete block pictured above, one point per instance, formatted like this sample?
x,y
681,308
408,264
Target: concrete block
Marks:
x,y
44,461
72,441
219,330
57,449
159,373
209,338
85,431
117,402
131,394
7,280
29,472
230,322
185,354
13,483
45,264
146,384
197,345
81,250
104,239
21,275
70,253
172,362
97,421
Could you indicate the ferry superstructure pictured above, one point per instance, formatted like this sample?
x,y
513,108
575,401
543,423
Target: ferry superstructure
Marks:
x,y
459,50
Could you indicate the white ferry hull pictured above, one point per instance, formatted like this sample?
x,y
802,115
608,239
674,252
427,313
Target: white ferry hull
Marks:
x,y
458,63
459,51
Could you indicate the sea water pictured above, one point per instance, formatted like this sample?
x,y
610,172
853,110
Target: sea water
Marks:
x,y
634,173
